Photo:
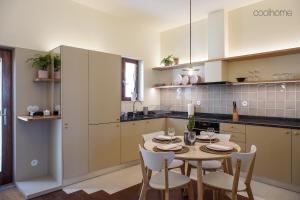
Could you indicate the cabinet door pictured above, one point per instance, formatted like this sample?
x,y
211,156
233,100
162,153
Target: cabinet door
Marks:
x,y
104,87
155,125
75,111
131,137
178,124
104,146
273,158
296,157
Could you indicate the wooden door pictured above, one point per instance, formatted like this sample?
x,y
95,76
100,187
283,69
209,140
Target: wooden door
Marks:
x,y
104,87
75,111
155,125
296,157
104,146
178,124
131,137
6,144
273,158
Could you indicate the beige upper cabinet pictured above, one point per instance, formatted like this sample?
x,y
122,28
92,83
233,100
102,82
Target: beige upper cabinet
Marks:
x,y
273,158
104,87
104,146
75,111
296,157
155,125
178,124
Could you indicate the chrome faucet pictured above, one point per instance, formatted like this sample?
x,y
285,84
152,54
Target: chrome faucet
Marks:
x,y
133,107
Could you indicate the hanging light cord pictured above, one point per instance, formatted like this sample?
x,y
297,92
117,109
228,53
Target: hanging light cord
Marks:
x,y
190,32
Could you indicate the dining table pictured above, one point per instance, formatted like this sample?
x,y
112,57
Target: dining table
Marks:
x,y
196,154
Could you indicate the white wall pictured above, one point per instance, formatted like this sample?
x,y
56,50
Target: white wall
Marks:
x,y
44,25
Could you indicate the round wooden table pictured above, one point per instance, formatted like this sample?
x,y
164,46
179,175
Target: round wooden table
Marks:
x,y
196,154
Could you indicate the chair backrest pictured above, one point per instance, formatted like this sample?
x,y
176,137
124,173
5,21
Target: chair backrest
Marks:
x,y
150,136
246,159
155,161
223,137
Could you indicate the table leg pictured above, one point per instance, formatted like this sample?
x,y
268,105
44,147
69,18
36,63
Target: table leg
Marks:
x,y
199,180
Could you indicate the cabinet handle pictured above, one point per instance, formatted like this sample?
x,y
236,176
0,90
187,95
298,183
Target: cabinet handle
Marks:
x,y
287,133
118,119
297,134
117,126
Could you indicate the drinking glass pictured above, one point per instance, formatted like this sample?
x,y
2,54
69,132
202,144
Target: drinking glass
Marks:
x,y
192,137
171,132
210,133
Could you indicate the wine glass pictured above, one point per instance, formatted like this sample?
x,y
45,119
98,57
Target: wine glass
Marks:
x,y
210,133
171,132
192,138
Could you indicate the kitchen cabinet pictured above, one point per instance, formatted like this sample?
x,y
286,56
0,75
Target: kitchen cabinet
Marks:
x,y
104,87
74,111
104,146
131,137
155,125
273,159
237,132
296,157
178,124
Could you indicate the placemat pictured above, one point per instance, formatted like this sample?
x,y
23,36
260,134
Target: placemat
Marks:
x,y
207,141
181,151
175,140
207,150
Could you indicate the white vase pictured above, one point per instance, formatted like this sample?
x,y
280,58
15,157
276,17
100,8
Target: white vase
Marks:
x,y
43,74
57,75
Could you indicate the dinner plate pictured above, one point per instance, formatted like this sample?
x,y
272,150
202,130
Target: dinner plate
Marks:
x,y
169,147
219,147
205,137
163,137
185,80
178,79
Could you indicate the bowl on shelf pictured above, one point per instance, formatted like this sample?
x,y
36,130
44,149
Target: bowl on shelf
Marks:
x,y
241,79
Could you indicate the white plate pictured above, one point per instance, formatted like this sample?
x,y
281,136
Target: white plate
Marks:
x,y
178,79
185,80
163,137
204,137
195,79
219,147
169,147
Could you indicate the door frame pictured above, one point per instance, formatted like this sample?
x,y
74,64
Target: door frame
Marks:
x,y
7,139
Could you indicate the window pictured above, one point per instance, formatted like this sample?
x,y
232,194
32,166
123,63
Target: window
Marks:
x,y
130,78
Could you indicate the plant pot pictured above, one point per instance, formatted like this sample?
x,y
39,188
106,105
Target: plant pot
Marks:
x,y
176,61
43,74
57,75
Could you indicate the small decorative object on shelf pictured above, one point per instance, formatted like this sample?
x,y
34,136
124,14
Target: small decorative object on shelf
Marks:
x,y
241,79
41,63
176,60
32,110
167,61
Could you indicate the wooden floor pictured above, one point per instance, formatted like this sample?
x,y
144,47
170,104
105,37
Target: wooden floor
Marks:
x,y
127,194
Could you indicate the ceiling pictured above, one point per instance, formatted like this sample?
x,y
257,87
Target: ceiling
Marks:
x,y
162,14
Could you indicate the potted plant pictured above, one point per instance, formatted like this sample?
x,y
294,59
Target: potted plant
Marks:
x,y
176,60
41,63
167,61
57,66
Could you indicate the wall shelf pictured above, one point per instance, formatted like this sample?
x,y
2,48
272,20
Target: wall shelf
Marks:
x,y
173,86
265,82
245,57
38,118
46,80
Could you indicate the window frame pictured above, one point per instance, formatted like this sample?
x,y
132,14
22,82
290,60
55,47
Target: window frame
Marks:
x,y
136,62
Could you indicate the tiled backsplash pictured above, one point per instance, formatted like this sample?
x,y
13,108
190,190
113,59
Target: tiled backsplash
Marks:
x,y
273,100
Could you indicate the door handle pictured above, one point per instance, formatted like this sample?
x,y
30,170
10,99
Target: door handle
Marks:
x,y
4,115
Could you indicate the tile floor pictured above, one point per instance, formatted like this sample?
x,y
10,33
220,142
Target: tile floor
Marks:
x,y
122,179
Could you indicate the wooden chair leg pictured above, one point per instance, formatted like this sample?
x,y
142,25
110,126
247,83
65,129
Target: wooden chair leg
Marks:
x,y
167,195
189,168
190,191
182,168
204,172
249,192
143,193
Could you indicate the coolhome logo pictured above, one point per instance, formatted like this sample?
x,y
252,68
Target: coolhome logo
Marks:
x,y
273,13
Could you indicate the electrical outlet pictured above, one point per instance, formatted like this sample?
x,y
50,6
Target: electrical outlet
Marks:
x,y
198,103
245,103
34,163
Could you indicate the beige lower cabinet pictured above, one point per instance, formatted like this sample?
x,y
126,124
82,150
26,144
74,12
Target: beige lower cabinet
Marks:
x,y
104,146
296,157
237,132
273,160
131,137
154,125
178,124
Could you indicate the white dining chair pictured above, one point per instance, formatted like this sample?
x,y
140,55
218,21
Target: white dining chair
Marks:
x,y
164,180
230,183
175,163
209,165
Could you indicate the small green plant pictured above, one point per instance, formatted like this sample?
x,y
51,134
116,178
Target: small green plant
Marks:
x,y
167,61
56,63
41,62
191,123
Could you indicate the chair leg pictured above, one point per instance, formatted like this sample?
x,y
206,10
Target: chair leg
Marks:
x,y
167,195
204,172
189,168
182,168
190,191
249,192
143,193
